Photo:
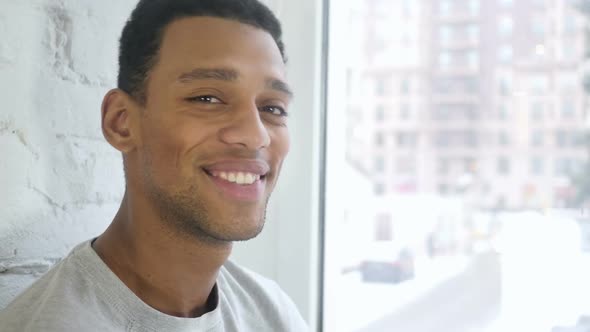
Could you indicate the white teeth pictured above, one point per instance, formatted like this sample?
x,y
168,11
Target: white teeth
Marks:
x,y
238,177
250,178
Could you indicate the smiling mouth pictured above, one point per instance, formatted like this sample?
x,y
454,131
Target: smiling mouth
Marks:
x,y
240,178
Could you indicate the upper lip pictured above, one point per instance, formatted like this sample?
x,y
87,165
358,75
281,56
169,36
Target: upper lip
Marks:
x,y
258,167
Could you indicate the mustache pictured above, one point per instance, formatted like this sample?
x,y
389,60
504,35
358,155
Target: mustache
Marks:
x,y
232,154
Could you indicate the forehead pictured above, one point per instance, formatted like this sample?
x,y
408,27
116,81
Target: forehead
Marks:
x,y
215,42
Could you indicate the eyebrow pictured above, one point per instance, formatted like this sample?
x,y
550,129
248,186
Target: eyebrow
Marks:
x,y
279,85
229,75
209,74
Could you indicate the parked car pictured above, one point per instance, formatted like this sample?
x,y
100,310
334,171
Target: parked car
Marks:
x,y
384,262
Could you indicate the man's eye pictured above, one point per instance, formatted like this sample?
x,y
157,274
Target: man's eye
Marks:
x,y
205,99
275,110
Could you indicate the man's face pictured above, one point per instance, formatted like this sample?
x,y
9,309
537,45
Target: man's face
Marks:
x,y
213,130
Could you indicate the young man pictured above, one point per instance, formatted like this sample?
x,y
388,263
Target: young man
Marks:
x,y
200,119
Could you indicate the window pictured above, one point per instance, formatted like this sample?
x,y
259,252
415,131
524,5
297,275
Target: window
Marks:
x,y
537,138
502,112
505,86
444,60
476,188
568,110
379,188
445,7
506,3
405,86
537,111
539,83
503,166
473,59
563,166
379,139
443,166
446,34
503,138
473,33
537,165
404,111
474,7
561,138
406,139
380,113
505,53
405,165
379,164
380,87
505,25
538,27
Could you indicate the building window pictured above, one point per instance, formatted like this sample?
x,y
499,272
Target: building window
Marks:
x,y
405,165
445,7
380,87
444,60
379,139
405,86
473,33
473,59
536,111
561,138
538,27
443,188
380,113
568,109
379,188
539,84
474,7
563,166
502,112
503,166
505,86
444,165
537,166
506,3
404,111
406,139
505,53
503,138
379,164
505,26
445,34
537,138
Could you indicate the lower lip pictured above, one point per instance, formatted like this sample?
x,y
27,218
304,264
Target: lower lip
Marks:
x,y
249,192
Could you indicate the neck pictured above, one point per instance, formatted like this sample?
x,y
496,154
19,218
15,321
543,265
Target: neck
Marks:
x,y
171,273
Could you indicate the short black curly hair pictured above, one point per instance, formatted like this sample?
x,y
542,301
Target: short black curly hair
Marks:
x,y
142,35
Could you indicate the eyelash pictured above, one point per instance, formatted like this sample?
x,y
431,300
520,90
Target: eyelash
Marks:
x,y
201,99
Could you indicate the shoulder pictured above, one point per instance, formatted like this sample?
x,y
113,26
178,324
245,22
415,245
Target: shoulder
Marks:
x,y
54,301
244,288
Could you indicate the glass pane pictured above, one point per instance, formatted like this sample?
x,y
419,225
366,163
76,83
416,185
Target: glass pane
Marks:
x,y
458,171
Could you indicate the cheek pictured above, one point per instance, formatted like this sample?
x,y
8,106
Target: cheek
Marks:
x,y
281,142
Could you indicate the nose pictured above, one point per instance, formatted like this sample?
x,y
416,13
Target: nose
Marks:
x,y
246,129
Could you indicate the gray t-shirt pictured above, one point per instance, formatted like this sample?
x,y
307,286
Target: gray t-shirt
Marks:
x,y
82,294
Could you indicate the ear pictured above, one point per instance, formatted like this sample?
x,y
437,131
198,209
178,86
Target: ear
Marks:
x,y
120,114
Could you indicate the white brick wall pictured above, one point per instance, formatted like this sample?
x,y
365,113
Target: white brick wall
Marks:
x,y
60,182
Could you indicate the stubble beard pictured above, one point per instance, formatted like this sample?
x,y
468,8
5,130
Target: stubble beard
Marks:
x,y
186,214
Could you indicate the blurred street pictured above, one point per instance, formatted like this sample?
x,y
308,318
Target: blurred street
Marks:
x,y
488,292
467,302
